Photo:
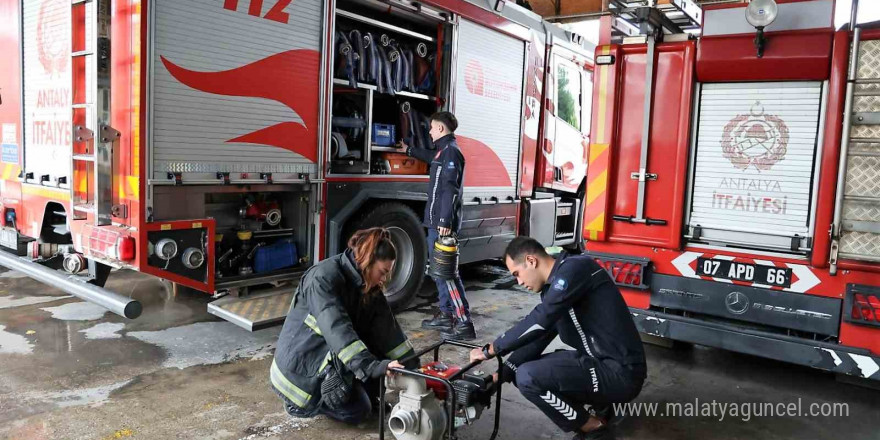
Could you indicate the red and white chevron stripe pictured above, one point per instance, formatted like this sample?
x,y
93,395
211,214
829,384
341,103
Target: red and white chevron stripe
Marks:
x,y
803,278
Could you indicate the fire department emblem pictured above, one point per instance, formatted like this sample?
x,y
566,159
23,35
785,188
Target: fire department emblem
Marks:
x,y
473,77
51,41
756,139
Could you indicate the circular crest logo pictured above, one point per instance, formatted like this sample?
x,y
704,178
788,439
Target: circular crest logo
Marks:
x,y
473,77
51,41
736,303
757,139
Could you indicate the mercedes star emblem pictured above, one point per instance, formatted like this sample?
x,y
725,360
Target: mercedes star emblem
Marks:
x,y
737,303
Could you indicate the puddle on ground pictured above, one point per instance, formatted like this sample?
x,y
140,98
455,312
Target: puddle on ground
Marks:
x,y
11,343
207,343
104,330
8,302
77,311
93,397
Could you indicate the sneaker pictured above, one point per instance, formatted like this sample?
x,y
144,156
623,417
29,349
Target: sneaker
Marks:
x,y
603,432
462,331
440,321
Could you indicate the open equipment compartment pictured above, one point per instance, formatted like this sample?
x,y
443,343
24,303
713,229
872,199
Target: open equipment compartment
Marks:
x,y
387,81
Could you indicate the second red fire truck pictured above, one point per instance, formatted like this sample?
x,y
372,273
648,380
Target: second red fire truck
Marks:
x,y
733,179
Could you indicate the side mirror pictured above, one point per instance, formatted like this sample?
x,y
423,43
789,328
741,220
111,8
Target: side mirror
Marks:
x,y
760,14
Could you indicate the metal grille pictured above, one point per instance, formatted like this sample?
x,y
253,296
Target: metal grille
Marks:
x,y
861,211
869,59
227,167
856,244
861,206
858,148
863,176
866,104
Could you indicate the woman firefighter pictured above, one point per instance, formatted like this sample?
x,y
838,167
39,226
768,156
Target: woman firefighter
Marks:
x,y
340,336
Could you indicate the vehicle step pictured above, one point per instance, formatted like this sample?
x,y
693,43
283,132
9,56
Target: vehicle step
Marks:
x,y
257,311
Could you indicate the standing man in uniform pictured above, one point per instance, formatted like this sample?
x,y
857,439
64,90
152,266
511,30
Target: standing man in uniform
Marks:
x,y
442,218
580,304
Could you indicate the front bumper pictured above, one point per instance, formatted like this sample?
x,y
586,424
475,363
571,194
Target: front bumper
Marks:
x,y
824,356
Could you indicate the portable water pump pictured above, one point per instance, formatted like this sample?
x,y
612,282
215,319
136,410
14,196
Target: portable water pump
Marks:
x,y
436,399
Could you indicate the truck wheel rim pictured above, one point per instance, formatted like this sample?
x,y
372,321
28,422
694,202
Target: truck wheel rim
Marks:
x,y
403,266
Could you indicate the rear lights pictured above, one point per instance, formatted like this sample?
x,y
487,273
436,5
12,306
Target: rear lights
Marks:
x,y
625,271
862,305
125,248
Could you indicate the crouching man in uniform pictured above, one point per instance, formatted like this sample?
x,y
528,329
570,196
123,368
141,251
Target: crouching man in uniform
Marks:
x,y
580,304
340,337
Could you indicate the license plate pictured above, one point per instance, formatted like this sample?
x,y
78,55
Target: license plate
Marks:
x,y
750,273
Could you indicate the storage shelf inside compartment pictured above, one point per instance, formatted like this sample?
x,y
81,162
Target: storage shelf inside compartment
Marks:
x,y
372,113
378,14
259,234
366,39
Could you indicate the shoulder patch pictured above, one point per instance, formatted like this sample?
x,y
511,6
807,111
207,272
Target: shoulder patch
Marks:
x,y
559,284
451,165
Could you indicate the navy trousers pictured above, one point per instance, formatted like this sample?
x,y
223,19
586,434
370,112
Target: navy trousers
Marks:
x,y
449,292
565,384
355,411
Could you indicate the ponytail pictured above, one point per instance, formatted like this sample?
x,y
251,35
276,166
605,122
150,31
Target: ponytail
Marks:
x,y
369,246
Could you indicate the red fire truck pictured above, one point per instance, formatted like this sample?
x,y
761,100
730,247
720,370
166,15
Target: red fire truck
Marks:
x,y
228,144
733,179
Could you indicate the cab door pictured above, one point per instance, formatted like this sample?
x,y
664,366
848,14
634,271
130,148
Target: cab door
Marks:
x,y
569,128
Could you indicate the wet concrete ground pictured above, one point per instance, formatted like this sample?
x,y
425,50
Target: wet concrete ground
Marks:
x,y
70,370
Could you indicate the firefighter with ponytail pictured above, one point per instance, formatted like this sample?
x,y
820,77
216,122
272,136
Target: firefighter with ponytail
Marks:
x,y
340,337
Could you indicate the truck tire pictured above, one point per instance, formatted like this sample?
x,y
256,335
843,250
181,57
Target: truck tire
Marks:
x,y
409,240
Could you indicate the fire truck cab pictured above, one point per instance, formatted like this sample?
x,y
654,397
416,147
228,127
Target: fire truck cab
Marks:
x,y
733,178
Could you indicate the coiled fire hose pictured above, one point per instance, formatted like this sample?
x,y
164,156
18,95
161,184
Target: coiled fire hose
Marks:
x,y
444,264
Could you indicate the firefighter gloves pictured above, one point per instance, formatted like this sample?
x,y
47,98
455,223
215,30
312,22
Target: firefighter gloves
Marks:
x,y
335,391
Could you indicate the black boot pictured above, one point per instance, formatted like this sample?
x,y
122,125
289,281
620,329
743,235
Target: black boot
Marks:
x,y
611,418
462,330
440,321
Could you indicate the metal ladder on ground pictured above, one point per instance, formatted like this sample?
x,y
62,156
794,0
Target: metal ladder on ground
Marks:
x,y
91,183
855,230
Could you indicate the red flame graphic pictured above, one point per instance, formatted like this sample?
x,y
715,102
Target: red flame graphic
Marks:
x,y
482,166
288,77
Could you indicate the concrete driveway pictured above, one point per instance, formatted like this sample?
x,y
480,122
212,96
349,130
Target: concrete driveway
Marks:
x,y
70,370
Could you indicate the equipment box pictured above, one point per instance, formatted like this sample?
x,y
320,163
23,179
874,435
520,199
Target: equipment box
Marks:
x,y
402,164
